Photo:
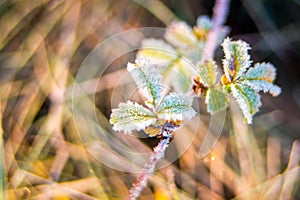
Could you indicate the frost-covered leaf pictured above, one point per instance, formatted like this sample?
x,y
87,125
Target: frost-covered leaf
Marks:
x,y
176,107
157,51
131,116
216,100
262,71
261,78
180,35
237,59
247,98
208,73
148,80
262,85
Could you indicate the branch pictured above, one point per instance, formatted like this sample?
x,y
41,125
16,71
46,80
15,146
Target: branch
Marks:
x,y
218,19
141,181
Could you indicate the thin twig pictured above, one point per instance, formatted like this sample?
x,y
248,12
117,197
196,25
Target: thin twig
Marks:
x,y
218,19
141,181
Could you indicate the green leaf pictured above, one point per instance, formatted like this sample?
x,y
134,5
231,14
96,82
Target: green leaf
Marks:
x,y
262,71
237,59
262,85
180,35
176,107
208,73
157,51
247,98
148,80
261,77
216,100
131,116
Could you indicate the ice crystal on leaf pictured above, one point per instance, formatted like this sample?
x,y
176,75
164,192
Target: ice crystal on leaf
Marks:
x,y
244,81
216,100
240,79
247,98
261,78
176,107
237,59
148,80
131,116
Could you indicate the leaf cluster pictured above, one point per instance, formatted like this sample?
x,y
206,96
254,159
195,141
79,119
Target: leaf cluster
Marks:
x,y
240,79
159,109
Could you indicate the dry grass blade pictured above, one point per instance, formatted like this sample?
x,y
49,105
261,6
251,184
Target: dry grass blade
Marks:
x,y
11,22
292,172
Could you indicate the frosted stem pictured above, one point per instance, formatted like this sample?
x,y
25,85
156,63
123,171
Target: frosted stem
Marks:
x,y
218,19
141,181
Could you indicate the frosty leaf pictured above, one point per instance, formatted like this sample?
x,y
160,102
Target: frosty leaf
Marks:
x,y
131,116
262,85
176,107
208,73
247,98
237,60
180,35
262,71
261,77
216,100
148,80
157,51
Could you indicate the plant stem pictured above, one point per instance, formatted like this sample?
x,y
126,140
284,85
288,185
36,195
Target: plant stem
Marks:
x,y
218,19
141,181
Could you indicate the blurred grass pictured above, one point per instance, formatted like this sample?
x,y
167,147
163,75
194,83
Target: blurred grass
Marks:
x,y
43,43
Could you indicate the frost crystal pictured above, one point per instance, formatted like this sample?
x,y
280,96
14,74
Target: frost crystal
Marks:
x,y
261,78
264,71
148,80
265,86
176,107
131,116
248,100
237,59
245,82
216,100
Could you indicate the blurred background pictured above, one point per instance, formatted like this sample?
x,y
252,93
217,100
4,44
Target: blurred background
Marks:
x,y
42,45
